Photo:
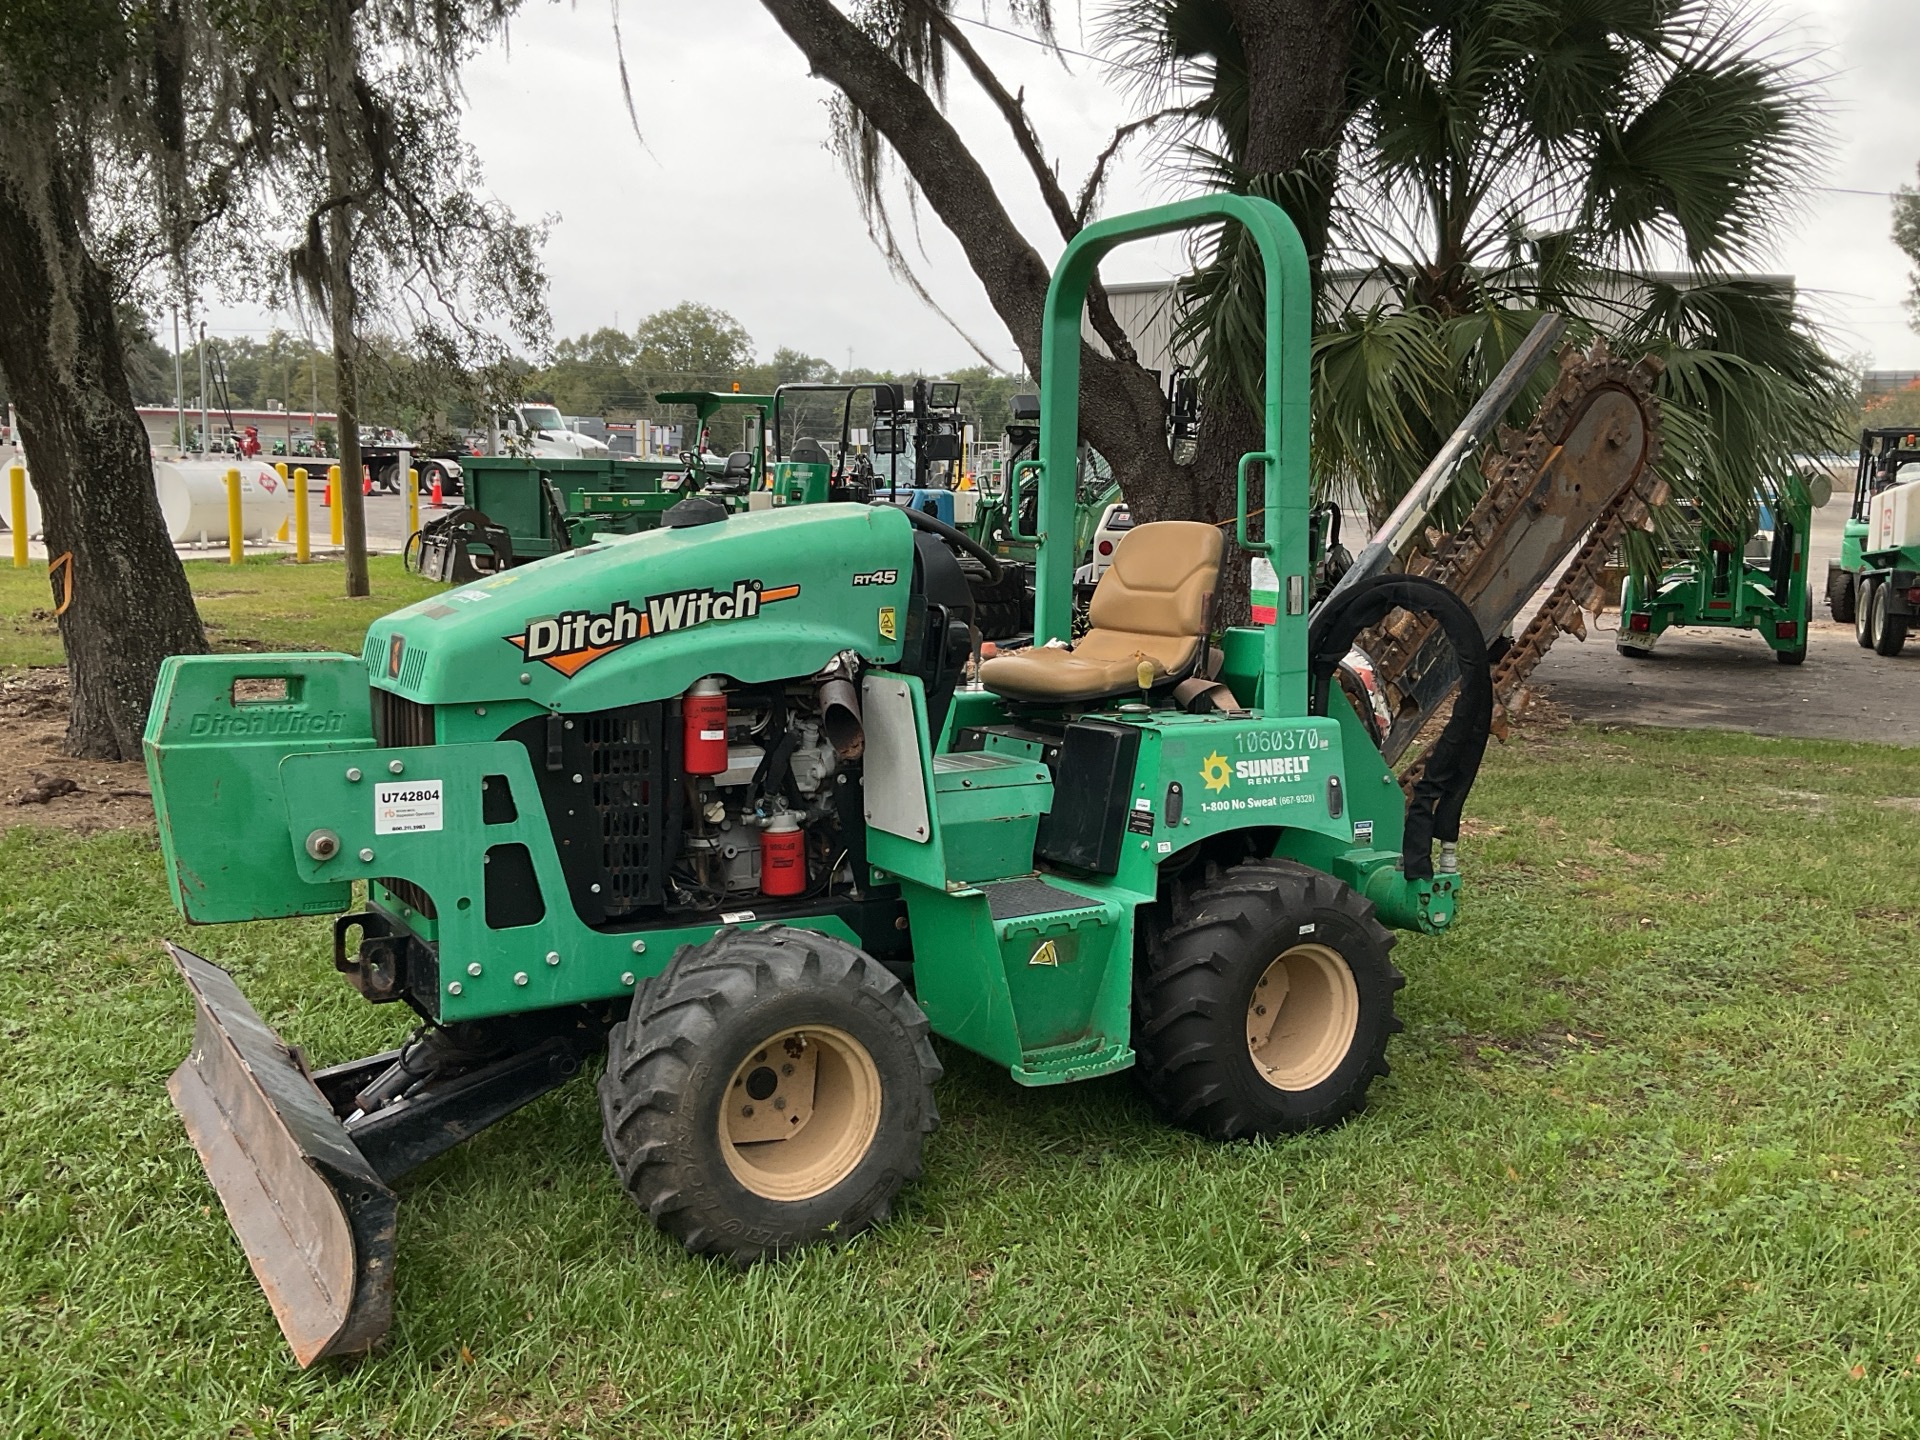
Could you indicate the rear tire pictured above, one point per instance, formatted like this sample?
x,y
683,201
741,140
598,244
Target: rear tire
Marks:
x,y
1220,1057
1889,631
702,1073
1633,652
1863,613
1840,596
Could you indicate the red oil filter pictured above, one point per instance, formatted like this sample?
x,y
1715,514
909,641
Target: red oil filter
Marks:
x,y
783,857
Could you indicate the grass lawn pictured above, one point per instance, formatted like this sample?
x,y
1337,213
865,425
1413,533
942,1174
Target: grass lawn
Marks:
x,y
265,603
1642,1168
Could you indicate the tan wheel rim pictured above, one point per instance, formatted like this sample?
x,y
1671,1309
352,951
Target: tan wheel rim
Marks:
x,y
1302,1017
800,1113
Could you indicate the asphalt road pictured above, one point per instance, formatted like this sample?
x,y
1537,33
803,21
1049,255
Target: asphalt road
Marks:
x,y
1730,681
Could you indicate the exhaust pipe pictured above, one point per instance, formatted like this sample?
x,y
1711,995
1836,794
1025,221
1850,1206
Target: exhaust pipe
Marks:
x,y
839,705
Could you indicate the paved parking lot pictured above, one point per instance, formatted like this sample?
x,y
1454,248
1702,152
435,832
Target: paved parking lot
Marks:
x,y
1723,681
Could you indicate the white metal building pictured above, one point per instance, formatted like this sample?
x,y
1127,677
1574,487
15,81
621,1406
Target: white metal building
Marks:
x,y
1145,310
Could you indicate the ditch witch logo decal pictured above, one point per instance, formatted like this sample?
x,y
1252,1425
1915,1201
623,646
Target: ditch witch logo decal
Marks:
x,y
573,640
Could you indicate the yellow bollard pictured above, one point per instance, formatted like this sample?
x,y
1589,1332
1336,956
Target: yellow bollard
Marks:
x,y
17,514
413,501
333,511
300,552
236,543
280,469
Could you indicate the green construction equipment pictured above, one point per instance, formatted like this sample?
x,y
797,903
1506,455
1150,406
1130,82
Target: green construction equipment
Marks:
x,y
732,473
1876,581
805,470
1749,577
712,800
520,508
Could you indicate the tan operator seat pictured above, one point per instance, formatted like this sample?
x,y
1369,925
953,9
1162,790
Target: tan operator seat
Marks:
x,y
1150,605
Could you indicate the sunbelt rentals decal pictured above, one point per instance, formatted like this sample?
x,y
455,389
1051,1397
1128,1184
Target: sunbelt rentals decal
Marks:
x,y
1269,768
574,639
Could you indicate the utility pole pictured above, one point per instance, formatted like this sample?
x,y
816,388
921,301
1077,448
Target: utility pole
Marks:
x,y
179,387
202,348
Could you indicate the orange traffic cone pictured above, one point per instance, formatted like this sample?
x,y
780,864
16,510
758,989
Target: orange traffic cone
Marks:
x,y
366,481
326,496
438,503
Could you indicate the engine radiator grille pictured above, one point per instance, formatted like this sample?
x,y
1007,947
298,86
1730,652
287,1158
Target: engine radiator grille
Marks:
x,y
605,780
626,766
400,721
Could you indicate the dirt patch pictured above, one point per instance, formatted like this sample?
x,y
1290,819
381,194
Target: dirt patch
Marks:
x,y
1547,1048
39,783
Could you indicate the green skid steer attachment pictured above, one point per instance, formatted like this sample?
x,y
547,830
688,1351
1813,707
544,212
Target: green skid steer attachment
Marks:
x,y
315,1219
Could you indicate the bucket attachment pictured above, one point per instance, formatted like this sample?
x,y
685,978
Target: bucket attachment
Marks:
x,y
310,1210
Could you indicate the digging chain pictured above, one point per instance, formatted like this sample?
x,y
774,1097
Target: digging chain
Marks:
x,y
1511,467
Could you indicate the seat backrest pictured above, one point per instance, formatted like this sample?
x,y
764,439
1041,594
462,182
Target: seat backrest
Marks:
x,y
1161,580
809,451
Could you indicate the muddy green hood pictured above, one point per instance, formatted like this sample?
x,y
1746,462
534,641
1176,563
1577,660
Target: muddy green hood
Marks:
x,y
760,596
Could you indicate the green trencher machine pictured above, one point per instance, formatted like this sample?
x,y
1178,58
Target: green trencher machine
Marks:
x,y
1747,577
713,801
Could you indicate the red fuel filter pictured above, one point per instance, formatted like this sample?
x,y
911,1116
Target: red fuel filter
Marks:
x,y
703,710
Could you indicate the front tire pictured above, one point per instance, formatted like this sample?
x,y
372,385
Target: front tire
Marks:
x,y
1267,1005
1889,631
771,1090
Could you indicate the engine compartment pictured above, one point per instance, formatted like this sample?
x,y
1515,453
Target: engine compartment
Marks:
x,y
642,835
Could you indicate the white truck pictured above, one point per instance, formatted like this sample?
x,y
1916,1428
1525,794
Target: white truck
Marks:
x,y
533,428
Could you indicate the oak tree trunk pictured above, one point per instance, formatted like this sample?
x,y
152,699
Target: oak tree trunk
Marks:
x,y
340,305
346,384
60,350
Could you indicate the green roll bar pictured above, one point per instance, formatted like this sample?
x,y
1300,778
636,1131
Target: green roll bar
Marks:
x,y
1283,458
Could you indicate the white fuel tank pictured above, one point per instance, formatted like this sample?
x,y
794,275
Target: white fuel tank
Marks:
x,y
193,499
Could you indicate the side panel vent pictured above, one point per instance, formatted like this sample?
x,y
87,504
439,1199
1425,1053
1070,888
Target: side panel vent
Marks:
x,y
414,662
400,721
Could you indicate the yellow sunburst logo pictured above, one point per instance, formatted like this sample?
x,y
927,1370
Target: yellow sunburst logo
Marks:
x,y
1216,772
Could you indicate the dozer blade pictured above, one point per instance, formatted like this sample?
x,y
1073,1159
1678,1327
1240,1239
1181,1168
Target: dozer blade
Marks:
x,y
315,1218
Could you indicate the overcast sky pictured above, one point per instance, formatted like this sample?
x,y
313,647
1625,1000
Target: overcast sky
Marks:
x,y
733,198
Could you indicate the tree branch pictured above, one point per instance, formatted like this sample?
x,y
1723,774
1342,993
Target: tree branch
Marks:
x,y
1097,176
1070,221
1123,413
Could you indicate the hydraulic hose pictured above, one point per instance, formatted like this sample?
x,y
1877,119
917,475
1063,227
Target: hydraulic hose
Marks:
x,y
1440,794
